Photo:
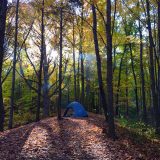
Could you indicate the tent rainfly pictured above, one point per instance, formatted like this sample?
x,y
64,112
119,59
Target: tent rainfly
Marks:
x,y
77,110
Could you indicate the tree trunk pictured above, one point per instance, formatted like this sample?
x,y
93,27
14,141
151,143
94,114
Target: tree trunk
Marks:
x,y
78,81
41,65
152,72
10,125
3,10
46,99
99,65
88,87
68,94
158,126
109,72
119,83
127,105
74,64
135,80
60,65
82,57
142,75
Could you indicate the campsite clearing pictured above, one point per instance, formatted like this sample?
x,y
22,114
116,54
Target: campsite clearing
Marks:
x,y
70,139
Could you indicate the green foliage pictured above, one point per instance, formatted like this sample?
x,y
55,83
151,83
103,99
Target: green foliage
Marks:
x,y
23,118
138,128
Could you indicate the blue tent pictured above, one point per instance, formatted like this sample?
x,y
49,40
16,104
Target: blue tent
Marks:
x,y
78,110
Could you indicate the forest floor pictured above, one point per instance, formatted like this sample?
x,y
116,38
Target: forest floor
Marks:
x,y
73,139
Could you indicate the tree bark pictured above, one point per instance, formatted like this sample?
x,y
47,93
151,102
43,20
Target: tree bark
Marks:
x,y
74,63
159,63
99,65
3,10
87,89
60,65
135,79
142,74
152,71
126,90
46,99
119,83
109,72
41,64
12,100
68,94
78,79
82,57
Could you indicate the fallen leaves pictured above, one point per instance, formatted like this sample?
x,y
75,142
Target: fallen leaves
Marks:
x,y
69,139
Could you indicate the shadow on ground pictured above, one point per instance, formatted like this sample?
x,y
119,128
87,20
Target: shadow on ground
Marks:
x,y
68,139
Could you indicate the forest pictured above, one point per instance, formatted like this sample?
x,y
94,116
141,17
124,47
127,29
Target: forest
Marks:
x,y
104,54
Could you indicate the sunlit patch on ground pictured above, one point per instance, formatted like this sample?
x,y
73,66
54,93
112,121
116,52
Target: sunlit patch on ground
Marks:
x,y
36,144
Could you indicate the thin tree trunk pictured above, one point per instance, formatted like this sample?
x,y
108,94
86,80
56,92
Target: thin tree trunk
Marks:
x,y
60,65
114,17
74,63
10,125
78,81
135,80
68,94
142,75
114,60
87,89
82,57
155,57
3,10
96,103
46,99
119,83
109,72
99,65
41,65
127,105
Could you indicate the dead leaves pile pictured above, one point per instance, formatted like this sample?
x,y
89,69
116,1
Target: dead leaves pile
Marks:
x,y
69,139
